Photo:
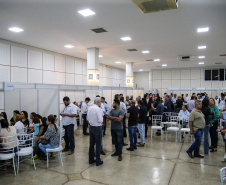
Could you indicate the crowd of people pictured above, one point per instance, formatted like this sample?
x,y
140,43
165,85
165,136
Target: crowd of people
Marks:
x,y
199,112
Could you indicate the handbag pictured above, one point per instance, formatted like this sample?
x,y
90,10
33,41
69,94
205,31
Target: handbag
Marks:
x,y
44,141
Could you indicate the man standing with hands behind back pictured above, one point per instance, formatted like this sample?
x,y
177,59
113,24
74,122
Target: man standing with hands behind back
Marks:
x,y
197,125
68,120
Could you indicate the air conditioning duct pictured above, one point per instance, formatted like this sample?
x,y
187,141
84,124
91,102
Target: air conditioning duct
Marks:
x,y
185,58
148,6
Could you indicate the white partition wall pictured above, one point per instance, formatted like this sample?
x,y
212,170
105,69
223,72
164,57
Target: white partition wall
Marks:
x,y
29,100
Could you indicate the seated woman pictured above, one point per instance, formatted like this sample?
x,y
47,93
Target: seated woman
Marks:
x,y
31,124
52,135
12,122
18,124
24,119
6,131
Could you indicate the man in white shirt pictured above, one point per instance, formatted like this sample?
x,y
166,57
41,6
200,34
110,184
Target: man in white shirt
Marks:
x,y
174,98
84,110
187,98
68,114
222,103
95,119
216,100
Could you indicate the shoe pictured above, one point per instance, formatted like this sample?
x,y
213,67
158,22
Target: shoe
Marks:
x,y
199,156
140,145
70,152
114,154
86,134
102,153
146,135
158,134
100,163
65,150
36,156
213,150
135,148
125,144
130,149
138,142
120,158
211,147
224,160
92,162
190,154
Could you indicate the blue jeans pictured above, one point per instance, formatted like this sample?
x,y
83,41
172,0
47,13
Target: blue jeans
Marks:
x,y
85,124
206,139
96,135
117,136
69,137
196,145
44,147
141,128
132,136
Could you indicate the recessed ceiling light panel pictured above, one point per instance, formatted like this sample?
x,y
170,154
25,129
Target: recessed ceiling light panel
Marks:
x,y
86,12
146,51
202,57
117,62
200,30
164,65
15,29
126,38
100,56
68,46
201,47
156,60
141,70
201,63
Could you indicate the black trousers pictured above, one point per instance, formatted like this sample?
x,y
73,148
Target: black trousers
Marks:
x,y
214,135
105,124
69,137
124,126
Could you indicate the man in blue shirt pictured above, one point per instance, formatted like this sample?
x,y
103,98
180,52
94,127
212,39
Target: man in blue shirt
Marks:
x,y
168,104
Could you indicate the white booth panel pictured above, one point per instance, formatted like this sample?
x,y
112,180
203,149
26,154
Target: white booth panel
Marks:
x,y
79,96
34,59
48,61
78,67
12,102
60,63
91,94
70,65
71,95
62,95
4,54
129,93
2,100
4,74
108,97
48,102
29,100
34,76
18,56
18,74
138,93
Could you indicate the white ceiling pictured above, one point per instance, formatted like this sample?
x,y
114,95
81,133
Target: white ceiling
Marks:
x,y
52,24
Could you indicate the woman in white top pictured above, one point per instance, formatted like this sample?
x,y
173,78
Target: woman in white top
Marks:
x,y
19,125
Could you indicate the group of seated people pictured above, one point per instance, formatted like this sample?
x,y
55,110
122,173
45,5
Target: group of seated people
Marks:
x,y
45,131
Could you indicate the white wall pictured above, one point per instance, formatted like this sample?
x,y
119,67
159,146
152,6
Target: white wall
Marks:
x,y
141,79
21,63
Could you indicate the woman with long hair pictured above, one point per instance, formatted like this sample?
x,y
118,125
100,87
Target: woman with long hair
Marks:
x,y
214,116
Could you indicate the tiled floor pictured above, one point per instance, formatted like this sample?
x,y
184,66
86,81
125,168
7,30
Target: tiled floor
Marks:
x,y
159,162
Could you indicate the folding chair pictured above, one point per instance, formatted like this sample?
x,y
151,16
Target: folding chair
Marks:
x,y
157,119
222,174
26,143
7,154
174,126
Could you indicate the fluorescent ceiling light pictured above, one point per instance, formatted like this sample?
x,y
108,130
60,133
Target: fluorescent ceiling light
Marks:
x,y
157,60
141,70
126,38
15,29
202,57
201,63
86,12
199,30
201,47
145,51
164,65
100,56
68,46
117,62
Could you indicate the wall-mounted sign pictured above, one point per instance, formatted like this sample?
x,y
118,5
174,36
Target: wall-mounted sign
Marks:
x,y
90,76
9,86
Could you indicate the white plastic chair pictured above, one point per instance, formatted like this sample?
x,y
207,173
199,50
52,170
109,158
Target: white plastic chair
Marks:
x,y
58,149
9,154
219,133
174,126
184,130
26,143
222,174
155,120
25,129
174,114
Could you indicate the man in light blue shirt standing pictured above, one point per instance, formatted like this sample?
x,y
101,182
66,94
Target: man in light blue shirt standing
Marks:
x,y
84,110
68,114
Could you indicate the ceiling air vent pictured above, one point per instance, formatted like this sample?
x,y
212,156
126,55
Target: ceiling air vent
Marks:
x,y
148,6
217,63
223,55
99,30
184,58
149,60
132,49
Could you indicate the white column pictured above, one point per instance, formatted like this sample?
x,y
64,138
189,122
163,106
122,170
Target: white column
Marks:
x,y
129,74
93,66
